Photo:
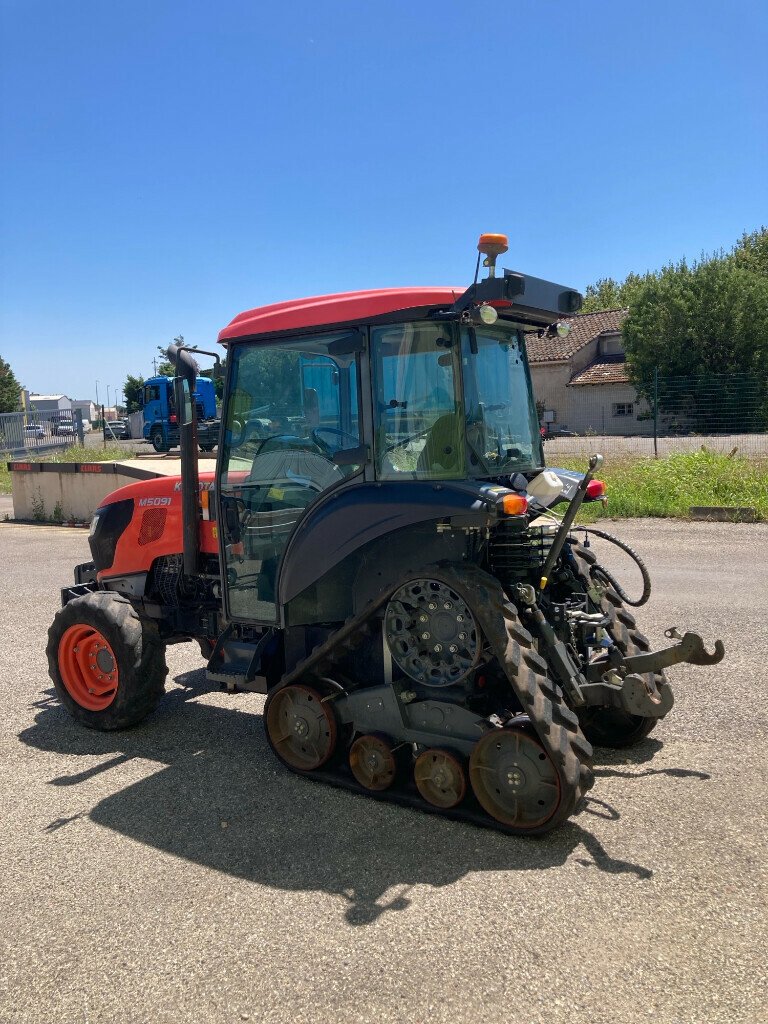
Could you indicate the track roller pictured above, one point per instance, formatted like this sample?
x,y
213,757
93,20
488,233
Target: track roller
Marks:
x,y
513,779
301,728
440,778
372,762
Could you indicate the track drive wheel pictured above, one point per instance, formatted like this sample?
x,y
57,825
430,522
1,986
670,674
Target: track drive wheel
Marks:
x,y
514,779
373,762
106,662
609,726
301,727
440,778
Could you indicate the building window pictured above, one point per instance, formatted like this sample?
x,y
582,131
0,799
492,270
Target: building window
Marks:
x,y
623,408
611,345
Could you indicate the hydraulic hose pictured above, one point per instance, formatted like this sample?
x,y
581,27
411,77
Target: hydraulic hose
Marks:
x,y
601,571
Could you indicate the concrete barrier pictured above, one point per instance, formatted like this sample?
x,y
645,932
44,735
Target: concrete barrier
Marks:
x,y
66,491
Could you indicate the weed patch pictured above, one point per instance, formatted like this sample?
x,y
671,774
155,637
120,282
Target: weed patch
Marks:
x,y
668,487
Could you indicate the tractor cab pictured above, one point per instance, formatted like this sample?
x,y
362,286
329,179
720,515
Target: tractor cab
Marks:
x,y
417,386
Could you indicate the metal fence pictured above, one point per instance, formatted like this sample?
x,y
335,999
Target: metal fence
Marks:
x,y
24,434
720,412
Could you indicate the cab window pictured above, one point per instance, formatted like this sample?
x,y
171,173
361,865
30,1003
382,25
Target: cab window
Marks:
x,y
417,406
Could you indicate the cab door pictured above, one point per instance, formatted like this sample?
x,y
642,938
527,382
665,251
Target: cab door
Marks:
x,y
291,434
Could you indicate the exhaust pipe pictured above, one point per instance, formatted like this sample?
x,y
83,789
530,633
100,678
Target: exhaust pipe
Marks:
x,y
186,412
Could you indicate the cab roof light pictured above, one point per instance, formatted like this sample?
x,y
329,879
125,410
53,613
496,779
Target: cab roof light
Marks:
x,y
491,245
514,504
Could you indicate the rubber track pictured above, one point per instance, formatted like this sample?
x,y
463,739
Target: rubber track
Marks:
x,y
542,699
556,725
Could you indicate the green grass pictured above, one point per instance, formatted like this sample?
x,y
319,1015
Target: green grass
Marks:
x,y
668,487
75,453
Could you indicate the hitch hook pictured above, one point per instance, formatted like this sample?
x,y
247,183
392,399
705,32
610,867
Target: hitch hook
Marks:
x,y
695,651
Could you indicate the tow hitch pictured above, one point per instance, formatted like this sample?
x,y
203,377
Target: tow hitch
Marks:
x,y
690,649
629,682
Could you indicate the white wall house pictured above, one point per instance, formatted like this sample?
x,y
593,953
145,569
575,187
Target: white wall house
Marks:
x,y
582,379
86,407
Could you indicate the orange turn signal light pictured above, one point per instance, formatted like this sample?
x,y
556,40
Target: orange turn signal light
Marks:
x,y
595,489
514,504
492,245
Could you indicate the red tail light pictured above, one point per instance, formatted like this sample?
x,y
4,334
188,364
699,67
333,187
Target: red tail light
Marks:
x,y
595,489
172,419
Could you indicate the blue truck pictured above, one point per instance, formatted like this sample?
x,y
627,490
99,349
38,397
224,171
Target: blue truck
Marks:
x,y
160,423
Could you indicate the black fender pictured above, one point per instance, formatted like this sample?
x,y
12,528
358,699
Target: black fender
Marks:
x,y
351,517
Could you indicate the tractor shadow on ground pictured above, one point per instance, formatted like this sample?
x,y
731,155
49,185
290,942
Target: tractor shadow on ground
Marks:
x,y
224,802
619,763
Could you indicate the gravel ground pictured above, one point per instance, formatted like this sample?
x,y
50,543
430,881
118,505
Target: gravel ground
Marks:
x,y
176,873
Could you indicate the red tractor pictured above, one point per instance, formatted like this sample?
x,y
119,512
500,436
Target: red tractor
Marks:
x,y
379,554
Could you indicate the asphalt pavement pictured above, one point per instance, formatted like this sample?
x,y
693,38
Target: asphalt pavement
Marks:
x,y
176,873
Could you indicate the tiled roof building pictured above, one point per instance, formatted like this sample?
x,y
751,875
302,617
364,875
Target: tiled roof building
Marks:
x,y
583,380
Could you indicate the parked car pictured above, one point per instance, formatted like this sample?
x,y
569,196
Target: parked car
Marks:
x,y
546,433
34,430
118,430
63,427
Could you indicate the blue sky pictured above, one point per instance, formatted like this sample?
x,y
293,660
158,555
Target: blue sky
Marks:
x,y
166,165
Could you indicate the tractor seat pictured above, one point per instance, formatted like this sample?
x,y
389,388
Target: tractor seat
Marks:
x,y
443,451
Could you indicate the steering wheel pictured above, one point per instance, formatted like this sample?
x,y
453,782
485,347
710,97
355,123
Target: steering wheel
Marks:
x,y
281,442
344,440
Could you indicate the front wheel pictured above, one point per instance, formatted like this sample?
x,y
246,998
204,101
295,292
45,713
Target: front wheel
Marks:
x,y
158,441
107,664
613,727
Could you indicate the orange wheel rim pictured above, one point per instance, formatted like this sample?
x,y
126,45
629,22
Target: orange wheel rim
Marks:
x,y
88,667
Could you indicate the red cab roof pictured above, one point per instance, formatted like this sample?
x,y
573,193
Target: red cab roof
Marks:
x,y
324,310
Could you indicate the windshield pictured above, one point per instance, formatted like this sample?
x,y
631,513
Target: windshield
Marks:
x,y
502,424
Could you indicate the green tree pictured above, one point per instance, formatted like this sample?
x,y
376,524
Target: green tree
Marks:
x,y
703,321
10,389
606,293
751,252
164,368
131,391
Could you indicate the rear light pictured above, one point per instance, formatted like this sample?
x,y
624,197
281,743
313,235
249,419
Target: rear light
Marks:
x,y
595,489
514,504
172,418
